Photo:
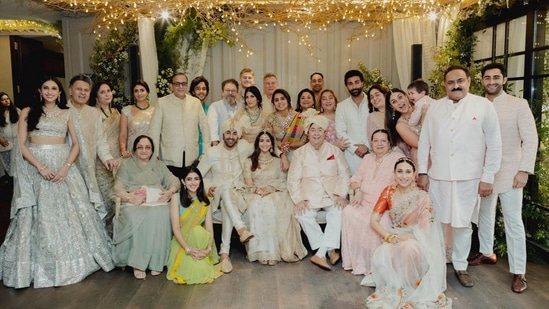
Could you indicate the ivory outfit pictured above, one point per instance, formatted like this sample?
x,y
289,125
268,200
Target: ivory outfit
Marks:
x,y
218,112
142,234
376,121
463,142
267,105
411,273
250,123
182,267
317,176
174,129
138,123
55,237
351,123
8,132
519,148
358,239
277,235
226,168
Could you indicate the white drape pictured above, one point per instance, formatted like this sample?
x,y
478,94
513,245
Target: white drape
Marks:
x,y
149,59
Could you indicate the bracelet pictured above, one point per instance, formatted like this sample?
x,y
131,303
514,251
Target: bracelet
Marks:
x,y
422,174
68,164
389,237
42,168
129,196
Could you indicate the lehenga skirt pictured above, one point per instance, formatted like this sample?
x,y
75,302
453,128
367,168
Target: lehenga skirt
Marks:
x,y
60,240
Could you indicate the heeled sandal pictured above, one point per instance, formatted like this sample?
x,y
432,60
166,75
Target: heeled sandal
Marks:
x,y
139,274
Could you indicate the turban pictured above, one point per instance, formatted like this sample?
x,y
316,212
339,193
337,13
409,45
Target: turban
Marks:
x,y
231,125
319,120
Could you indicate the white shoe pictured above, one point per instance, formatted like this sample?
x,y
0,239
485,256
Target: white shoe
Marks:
x,y
368,280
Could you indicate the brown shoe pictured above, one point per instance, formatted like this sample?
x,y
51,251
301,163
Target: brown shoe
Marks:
x,y
320,262
245,236
519,284
334,256
464,278
482,259
226,266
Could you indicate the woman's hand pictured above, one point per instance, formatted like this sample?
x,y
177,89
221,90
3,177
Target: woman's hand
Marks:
x,y
357,198
284,146
165,196
262,191
61,174
125,154
197,254
138,197
400,238
340,202
4,142
46,173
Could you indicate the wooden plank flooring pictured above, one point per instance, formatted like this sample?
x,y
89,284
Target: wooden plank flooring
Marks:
x,y
250,285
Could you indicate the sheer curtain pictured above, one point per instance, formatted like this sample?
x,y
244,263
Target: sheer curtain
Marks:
x,y
149,59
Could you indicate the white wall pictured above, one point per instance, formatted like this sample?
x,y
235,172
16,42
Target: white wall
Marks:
x,y
78,41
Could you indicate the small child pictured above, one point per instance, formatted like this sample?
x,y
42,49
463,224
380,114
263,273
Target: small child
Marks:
x,y
418,93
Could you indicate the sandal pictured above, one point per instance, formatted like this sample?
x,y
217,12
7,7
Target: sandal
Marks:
x,y
155,273
139,274
263,262
273,262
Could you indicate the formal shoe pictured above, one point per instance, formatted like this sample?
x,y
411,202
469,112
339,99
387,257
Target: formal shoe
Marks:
x,y
368,280
519,284
226,266
482,259
334,256
464,278
245,236
139,274
320,262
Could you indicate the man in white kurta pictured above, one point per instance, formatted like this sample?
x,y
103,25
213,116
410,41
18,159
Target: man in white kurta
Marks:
x,y
461,136
175,124
351,119
223,109
92,130
520,145
319,179
224,163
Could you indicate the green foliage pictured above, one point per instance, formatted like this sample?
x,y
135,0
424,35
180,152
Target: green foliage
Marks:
x,y
109,59
163,82
372,77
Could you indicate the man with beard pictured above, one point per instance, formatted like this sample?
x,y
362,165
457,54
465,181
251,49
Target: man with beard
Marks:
x,y
224,162
461,137
519,147
351,119
223,109
175,124
317,84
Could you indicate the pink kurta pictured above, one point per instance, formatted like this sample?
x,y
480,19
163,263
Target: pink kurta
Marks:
x,y
358,240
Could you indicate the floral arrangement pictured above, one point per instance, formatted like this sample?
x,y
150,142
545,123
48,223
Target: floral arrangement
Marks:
x,y
163,82
372,77
110,57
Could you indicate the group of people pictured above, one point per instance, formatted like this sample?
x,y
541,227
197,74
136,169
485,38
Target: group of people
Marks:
x,y
140,187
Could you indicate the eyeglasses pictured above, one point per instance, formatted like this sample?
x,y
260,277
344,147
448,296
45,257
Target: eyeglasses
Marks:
x,y
231,90
178,84
144,147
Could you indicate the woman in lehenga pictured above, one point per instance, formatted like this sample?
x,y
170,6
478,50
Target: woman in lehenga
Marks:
x,y
55,237
101,97
251,118
409,269
142,232
270,213
193,252
135,119
9,114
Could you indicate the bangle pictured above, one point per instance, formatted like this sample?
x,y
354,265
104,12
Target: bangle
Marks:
x,y
389,237
422,174
42,168
129,196
68,164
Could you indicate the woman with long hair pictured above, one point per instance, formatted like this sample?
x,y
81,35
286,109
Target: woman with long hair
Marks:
x,y
398,110
9,114
251,118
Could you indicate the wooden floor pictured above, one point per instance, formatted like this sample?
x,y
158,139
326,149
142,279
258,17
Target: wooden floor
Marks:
x,y
250,285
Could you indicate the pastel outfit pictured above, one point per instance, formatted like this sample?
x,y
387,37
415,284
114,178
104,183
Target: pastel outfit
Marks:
x,y
138,123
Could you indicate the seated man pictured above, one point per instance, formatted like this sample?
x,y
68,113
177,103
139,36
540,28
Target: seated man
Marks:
x,y
224,161
318,179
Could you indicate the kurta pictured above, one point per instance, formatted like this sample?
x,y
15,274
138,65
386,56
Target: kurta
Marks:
x,y
271,218
138,124
351,123
313,173
218,112
174,129
251,124
411,273
358,240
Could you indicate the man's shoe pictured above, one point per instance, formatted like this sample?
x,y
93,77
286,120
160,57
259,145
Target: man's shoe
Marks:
x,y
334,256
245,236
320,262
482,259
519,284
464,278
226,266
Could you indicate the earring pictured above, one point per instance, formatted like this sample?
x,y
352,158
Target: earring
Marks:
x,y
41,99
393,114
59,99
271,150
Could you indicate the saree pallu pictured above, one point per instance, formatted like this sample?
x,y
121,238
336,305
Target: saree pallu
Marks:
x,y
182,268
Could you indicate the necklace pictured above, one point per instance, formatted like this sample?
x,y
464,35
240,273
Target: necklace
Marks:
x,y
265,161
51,112
143,108
110,111
379,161
254,116
284,123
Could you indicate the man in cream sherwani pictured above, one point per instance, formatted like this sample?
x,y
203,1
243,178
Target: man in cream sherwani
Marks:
x,y
175,123
319,179
461,136
520,145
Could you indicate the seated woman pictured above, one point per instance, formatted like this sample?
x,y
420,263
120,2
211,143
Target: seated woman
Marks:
x,y
270,209
358,240
409,269
142,233
193,253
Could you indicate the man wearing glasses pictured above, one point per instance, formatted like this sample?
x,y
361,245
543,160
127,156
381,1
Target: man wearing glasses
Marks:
x,y
223,109
175,124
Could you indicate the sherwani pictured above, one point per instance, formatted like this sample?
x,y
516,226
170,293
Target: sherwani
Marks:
x,y
463,141
318,176
351,123
226,171
519,148
219,112
174,129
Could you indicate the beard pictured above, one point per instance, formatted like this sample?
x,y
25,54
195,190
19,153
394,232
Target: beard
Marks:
x,y
355,92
